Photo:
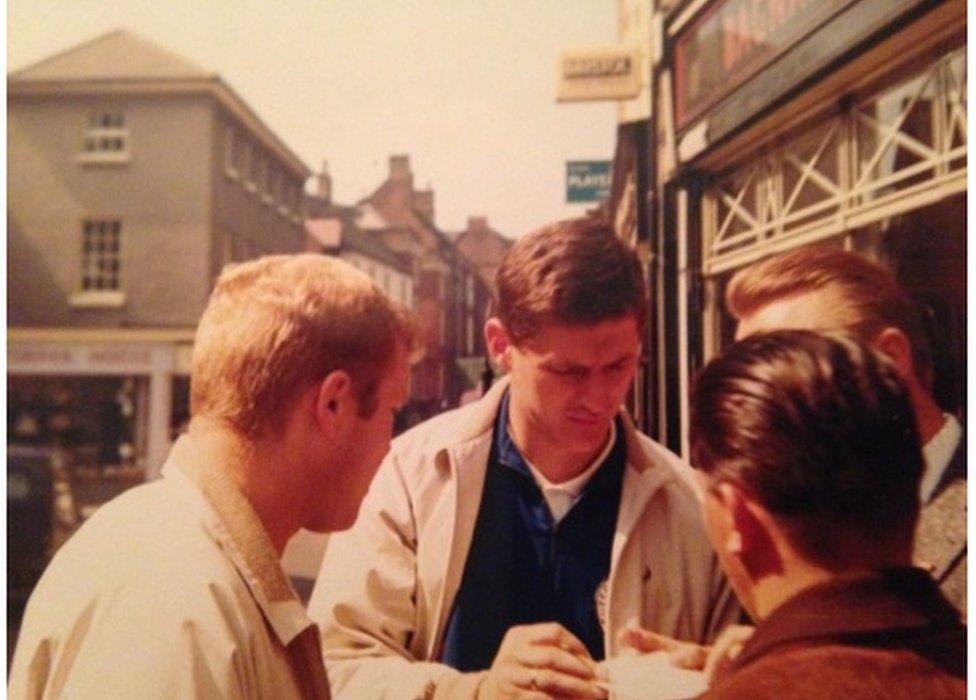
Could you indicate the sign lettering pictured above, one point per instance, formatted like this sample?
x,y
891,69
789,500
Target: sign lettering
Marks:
x,y
733,40
588,180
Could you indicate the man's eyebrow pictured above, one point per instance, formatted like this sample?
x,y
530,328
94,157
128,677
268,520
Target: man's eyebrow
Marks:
x,y
562,364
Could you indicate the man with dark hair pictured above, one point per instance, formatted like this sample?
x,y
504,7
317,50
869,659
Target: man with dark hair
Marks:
x,y
825,288
505,544
809,447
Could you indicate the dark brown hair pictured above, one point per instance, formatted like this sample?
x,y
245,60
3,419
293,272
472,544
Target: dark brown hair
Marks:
x,y
574,272
820,429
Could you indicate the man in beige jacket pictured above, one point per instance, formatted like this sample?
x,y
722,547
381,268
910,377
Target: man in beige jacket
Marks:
x,y
174,589
504,545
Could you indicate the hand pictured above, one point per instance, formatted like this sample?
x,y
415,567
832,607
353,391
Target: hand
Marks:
x,y
688,654
726,647
541,661
635,640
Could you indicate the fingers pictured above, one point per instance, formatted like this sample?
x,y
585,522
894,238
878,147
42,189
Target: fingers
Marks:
x,y
544,658
557,660
681,654
646,641
555,684
552,633
727,646
689,656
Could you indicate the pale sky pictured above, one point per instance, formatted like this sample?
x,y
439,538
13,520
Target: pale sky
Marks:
x,y
466,88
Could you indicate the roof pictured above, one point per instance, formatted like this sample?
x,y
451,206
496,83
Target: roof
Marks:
x,y
326,232
369,245
337,232
118,55
483,248
122,62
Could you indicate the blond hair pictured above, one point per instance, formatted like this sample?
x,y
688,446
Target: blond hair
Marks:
x,y
869,298
277,325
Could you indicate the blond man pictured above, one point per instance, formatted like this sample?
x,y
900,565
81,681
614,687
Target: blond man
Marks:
x,y
824,288
174,589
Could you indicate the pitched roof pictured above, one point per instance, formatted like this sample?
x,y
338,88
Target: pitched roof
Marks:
x,y
118,55
122,61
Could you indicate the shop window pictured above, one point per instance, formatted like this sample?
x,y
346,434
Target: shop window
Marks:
x,y
895,138
891,152
926,251
106,138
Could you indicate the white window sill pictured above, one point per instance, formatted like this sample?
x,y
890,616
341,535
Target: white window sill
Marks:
x,y
232,173
251,187
95,158
97,300
267,199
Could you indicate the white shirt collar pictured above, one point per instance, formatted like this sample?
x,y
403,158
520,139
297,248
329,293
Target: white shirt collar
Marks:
x,y
938,453
562,497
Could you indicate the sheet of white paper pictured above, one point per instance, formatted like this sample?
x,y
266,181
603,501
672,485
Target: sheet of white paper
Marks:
x,y
652,677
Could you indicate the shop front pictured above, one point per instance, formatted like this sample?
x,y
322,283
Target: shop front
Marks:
x,y
105,404
797,123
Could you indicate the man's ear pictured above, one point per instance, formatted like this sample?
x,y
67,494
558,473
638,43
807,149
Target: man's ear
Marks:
x,y
332,399
498,342
895,345
745,531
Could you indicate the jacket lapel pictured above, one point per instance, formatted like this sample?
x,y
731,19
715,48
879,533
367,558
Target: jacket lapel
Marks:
x,y
460,456
941,536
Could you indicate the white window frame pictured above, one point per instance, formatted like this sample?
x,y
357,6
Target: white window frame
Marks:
x,y
105,126
264,180
741,225
97,232
249,153
230,164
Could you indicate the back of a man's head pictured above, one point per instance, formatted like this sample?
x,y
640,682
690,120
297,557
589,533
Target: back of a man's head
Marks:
x,y
819,429
573,272
277,325
861,297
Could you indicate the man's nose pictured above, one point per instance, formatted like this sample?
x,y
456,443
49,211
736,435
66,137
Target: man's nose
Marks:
x,y
595,393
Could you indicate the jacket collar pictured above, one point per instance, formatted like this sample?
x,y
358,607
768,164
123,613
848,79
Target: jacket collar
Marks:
x,y
234,525
476,420
856,604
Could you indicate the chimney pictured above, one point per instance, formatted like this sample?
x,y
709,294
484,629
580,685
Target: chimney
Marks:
x,y
423,202
325,183
478,224
400,168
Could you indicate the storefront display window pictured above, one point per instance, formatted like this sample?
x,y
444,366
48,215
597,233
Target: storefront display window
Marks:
x,y
885,178
896,150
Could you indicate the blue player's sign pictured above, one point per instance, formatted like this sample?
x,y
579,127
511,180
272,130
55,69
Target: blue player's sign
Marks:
x,y
587,180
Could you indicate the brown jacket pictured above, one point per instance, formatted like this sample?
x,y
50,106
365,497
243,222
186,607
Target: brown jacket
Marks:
x,y
886,635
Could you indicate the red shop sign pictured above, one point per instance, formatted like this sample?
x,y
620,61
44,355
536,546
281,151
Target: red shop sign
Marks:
x,y
733,40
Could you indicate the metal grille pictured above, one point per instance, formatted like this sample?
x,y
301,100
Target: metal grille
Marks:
x,y
891,153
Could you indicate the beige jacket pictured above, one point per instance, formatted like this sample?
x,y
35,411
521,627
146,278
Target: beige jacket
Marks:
x,y
387,586
171,590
